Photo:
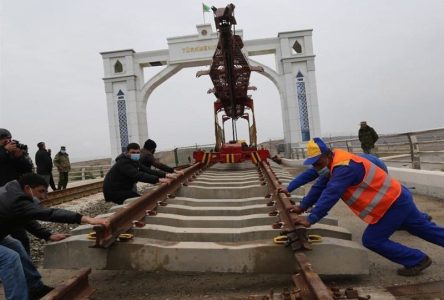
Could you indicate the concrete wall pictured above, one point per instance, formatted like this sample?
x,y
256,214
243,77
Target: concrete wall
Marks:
x,y
430,183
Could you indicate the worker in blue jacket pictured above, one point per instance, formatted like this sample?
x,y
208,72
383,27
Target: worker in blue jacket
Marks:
x,y
373,195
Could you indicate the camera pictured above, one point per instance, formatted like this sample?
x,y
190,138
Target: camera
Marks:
x,y
20,146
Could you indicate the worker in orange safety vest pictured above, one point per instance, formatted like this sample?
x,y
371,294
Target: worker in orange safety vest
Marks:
x,y
374,196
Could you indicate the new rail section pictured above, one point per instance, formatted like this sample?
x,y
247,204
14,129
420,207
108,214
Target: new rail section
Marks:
x,y
308,284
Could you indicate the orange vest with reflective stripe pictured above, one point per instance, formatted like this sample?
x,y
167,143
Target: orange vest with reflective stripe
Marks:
x,y
373,196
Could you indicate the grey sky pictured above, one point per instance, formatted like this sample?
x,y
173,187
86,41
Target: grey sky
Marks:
x,y
376,60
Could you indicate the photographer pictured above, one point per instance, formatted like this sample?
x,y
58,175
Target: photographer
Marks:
x,y
13,160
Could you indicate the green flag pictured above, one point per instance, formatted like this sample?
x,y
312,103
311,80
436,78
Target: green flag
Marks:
x,y
206,8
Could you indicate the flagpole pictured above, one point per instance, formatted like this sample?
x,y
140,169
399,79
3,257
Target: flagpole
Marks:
x,y
203,13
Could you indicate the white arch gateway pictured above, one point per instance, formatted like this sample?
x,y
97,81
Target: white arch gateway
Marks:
x,y
127,92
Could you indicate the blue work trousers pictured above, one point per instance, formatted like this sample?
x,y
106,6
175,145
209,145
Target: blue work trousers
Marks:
x,y
16,270
402,215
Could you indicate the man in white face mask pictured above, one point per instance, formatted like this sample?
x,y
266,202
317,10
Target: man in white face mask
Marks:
x,y
120,181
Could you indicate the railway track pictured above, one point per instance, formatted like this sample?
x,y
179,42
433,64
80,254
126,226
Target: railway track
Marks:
x,y
229,233
72,193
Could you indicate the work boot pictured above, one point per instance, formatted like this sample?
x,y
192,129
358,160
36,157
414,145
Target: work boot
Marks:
x,y
416,270
35,294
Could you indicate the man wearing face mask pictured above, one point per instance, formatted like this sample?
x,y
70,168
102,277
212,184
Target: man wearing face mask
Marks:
x,y
119,182
379,200
311,174
18,207
61,161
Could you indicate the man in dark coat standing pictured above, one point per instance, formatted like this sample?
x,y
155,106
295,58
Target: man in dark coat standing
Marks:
x,y
43,162
367,137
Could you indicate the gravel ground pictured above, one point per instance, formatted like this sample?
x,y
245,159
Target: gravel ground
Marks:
x,y
92,206
383,271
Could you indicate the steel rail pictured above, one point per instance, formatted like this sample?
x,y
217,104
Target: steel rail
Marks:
x,y
75,288
135,212
69,194
283,205
307,281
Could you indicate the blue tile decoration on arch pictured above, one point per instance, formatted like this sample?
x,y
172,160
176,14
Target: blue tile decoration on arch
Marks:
x,y
303,110
123,122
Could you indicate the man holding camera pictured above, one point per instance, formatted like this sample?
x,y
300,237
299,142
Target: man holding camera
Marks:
x,y
13,161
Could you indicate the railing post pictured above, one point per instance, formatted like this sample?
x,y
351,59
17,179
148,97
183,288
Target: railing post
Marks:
x,y
83,173
414,151
349,146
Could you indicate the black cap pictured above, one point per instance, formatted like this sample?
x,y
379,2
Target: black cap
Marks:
x,y
150,145
4,133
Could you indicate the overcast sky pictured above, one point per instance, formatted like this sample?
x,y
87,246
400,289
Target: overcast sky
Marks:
x,y
376,60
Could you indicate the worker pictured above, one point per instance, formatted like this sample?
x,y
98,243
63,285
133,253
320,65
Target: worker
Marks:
x,y
311,174
374,196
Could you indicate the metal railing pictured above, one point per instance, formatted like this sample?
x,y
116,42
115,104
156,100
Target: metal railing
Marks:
x,y
410,148
83,172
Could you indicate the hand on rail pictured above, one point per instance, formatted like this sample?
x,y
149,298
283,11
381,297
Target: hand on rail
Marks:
x,y
299,220
165,180
179,172
95,221
58,237
296,209
171,175
284,190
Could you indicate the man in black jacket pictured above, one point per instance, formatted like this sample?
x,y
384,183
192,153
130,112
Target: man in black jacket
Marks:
x,y
119,182
18,207
43,162
13,162
147,158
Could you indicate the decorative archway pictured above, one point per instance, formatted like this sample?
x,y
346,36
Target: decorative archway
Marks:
x,y
127,92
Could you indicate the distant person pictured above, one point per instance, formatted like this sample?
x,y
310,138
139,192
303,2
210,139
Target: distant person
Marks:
x,y
119,182
374,196
18,207
51,177
367,137
43,162
61,161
